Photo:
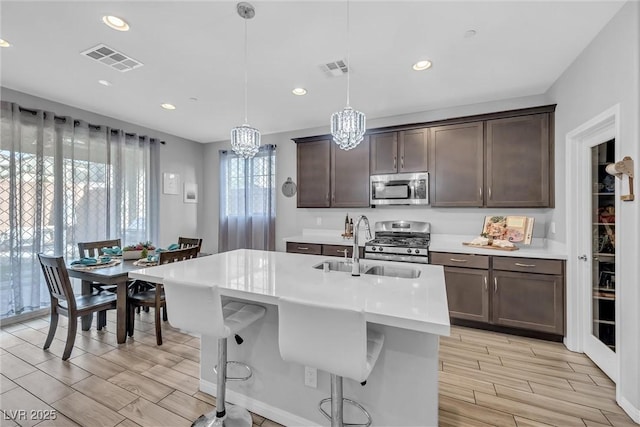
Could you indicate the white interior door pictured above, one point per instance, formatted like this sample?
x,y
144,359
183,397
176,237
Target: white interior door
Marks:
x,y
598,203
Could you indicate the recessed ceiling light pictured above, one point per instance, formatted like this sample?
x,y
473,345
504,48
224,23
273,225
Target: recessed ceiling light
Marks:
x,y
104,82
299,91
115,23
193,99
470,33
422,65
168,106
4,43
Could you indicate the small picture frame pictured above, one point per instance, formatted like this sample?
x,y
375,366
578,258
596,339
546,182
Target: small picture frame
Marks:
x,y
190,192
170,183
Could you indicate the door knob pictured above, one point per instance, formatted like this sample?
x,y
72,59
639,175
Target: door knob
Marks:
x,y
583,258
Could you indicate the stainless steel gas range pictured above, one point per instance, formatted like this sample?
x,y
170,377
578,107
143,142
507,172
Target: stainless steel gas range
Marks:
x,y
406,241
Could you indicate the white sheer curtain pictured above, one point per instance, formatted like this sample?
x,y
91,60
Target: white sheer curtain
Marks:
x,y
63,181
247,200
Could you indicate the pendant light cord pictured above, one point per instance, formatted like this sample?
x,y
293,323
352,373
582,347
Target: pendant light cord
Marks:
x,y
246,79
348,57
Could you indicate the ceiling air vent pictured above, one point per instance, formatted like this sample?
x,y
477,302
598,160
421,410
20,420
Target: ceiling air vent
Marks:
x,y
112,58
335,69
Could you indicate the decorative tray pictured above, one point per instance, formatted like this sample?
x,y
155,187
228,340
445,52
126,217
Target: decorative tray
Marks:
x,y
143,262
498,248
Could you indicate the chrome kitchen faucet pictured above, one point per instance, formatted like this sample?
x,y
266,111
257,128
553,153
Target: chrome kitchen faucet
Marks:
x,y
355,268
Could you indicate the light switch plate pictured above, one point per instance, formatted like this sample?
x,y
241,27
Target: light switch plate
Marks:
x,y
310,377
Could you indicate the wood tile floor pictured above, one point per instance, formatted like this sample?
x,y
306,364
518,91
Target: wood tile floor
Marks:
x,y
486,379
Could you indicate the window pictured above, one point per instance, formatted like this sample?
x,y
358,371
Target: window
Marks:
x,y
63,181
247,200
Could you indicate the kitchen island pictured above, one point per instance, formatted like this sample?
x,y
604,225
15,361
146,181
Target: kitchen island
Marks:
x,y
411,312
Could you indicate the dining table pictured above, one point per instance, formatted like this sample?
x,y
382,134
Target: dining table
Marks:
x,y
109,275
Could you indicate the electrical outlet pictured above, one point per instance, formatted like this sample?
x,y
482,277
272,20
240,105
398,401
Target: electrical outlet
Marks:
x,y
552,228
318,220
310,377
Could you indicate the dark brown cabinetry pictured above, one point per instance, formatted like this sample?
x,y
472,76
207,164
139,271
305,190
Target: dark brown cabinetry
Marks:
x,y
528,293
467,281
399,152
350,176
331,177
522,293
322,249
518,162
456,165
314,178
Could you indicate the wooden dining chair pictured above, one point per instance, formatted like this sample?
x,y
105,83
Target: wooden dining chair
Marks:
x,y
64,302
186,242
94,250
155,297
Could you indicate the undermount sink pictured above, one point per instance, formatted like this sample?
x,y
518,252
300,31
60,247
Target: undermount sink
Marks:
x,y
336,266
375,270
387,271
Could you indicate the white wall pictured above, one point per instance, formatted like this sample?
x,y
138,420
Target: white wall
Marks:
x,y
178,155
607,73
290,221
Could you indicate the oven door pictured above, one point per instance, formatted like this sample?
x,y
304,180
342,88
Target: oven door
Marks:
x,y
400,189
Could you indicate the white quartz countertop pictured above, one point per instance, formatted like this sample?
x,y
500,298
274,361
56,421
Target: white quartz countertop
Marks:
x,y
261,276
538,249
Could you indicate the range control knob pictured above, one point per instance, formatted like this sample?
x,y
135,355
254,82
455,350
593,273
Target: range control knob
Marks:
x,y
417,251
408,251
380,248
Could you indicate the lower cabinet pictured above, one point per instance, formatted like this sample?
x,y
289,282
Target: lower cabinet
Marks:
x,y
322,249
522,293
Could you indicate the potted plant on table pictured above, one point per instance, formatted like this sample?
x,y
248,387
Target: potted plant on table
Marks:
x,y
138,251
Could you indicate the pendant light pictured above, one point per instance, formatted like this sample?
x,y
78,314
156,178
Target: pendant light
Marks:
x,y
245,140
348,126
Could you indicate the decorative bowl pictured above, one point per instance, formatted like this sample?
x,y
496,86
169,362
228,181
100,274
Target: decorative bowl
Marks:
x,y
136,254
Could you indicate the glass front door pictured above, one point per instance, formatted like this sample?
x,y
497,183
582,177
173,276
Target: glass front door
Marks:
x,y
603,326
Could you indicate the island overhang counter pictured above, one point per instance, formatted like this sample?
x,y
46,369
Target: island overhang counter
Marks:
x,y
411,312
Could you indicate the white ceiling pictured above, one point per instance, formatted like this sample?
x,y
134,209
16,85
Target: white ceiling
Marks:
x,y
195,49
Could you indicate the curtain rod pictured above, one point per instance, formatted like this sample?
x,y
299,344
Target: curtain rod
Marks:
x,y
77,122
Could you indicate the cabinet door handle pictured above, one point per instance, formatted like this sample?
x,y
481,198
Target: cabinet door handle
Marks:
x,y
480,188
495,285
489,193
342,251
485,284
395,162
524,265
303,248
401,162
457,260
327,197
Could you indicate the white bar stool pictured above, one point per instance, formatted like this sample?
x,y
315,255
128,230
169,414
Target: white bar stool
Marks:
x,y
335,340
198,308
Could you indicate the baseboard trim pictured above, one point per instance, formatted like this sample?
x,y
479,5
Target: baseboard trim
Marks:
x,y
631,410
268,411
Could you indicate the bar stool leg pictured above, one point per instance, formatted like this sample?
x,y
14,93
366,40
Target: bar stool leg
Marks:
x,y
233,416
337,403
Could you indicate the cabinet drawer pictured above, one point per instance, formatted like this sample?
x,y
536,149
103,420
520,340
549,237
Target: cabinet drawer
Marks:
x,y
338,250
460,260
529,265
304,248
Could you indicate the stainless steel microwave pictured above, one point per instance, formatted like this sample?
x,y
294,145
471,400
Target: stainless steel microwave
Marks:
x,y
400,189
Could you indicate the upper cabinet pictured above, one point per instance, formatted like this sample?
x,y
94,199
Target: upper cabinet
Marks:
x,y
350,176
494,160
518,162
456,165
314,179
399,152
331,177
504,162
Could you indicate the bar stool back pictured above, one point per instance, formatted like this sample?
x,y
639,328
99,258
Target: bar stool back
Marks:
x,y
198,308
333,339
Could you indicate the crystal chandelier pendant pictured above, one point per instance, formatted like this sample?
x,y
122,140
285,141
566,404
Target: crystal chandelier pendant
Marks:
x,y
348,127
245,141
